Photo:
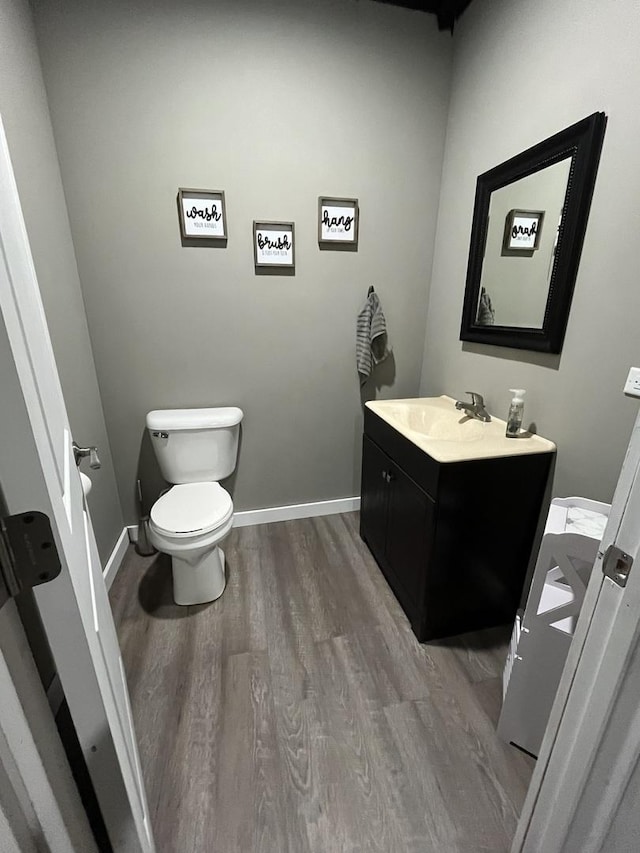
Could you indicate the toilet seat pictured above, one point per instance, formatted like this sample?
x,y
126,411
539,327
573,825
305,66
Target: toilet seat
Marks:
x,y
191,508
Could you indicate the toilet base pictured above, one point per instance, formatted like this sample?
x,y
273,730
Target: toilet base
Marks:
x,y
200,583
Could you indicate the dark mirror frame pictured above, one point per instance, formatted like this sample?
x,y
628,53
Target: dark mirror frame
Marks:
x,y
583,143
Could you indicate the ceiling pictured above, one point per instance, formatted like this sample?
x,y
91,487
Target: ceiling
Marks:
x,y
446,10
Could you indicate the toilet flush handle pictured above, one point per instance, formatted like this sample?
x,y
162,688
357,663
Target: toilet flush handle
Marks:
x,y
160,435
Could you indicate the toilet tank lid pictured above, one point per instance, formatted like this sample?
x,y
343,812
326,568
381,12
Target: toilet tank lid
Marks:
x,y
172,419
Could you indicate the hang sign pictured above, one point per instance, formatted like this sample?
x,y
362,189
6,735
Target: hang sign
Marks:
x,y
522,230
337,220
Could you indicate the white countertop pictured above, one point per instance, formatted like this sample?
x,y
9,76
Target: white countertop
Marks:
x,y
448,435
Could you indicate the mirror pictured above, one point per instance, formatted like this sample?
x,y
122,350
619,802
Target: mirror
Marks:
x,y
529,221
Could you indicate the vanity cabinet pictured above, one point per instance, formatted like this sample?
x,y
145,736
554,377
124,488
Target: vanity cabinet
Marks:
x,y
453,539
396,521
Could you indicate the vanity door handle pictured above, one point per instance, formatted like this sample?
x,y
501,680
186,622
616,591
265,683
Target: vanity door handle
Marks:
x,y
388,477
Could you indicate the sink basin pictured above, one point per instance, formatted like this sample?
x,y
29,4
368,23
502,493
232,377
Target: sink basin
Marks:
x,y
434,421
449,435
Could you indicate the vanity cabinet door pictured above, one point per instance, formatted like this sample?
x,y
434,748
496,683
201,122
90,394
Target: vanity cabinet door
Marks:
x,y
396,521
410,520
375,492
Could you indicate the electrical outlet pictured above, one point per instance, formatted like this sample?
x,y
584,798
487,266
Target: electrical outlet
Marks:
x,y
632,385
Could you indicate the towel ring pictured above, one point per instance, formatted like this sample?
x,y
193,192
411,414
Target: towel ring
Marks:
x,y
370,291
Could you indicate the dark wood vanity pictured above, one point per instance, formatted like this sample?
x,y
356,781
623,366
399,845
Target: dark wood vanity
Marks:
x,y
453,539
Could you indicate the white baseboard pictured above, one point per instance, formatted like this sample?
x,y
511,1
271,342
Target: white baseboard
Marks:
x,y
281,513
288,513
117,556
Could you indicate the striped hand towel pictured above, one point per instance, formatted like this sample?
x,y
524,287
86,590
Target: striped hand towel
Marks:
x,y
371,337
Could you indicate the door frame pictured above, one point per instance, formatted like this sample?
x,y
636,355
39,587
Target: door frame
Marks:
x,y
39,801
579,747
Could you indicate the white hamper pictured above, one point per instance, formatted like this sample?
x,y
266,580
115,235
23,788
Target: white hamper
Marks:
x,y
542,636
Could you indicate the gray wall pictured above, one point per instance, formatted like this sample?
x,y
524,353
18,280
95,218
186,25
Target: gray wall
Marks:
x,y
276,103
24,110
522,72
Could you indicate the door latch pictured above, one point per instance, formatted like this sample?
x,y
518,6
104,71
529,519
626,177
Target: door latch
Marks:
x,y
616,565
79,453
28,553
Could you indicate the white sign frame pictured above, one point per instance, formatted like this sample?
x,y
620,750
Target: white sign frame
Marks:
x,y
333,215
203,214
268,248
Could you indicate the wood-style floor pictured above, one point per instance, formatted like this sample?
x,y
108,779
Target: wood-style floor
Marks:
x,y
298,712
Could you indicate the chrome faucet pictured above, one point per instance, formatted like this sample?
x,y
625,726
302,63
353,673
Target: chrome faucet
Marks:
x,y
474,409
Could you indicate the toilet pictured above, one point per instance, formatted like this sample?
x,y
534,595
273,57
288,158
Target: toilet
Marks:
x,y
195,449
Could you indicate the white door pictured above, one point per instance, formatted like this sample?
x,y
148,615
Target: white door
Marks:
x,y
584,793
38,472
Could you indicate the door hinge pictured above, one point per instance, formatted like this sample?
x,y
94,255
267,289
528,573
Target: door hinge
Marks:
x,y
28,553
616,565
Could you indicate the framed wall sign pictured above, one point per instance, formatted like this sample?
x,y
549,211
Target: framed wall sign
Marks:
x,y
337,221
522,230
203,214
273,244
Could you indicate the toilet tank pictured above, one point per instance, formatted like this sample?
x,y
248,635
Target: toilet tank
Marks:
x,y
195,445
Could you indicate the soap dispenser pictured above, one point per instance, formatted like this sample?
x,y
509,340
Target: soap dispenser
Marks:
x,y
516,411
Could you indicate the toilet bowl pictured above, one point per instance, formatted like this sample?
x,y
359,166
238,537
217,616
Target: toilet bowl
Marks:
x,y
195,448
189,522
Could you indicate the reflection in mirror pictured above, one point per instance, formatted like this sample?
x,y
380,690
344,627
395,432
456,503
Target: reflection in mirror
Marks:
x,y
524,217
